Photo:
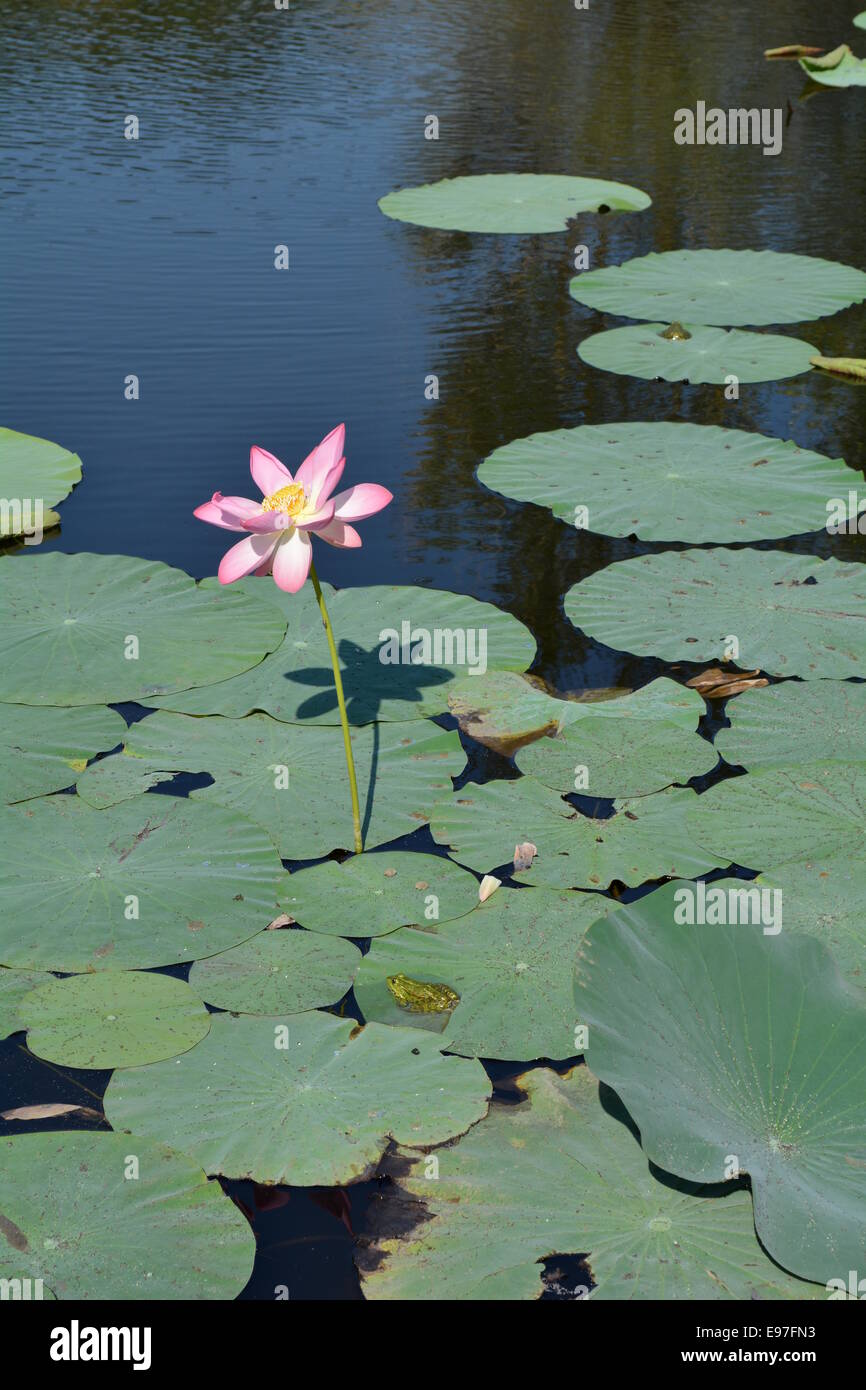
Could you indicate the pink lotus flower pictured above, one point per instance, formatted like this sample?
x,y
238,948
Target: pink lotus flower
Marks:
x,y
291,510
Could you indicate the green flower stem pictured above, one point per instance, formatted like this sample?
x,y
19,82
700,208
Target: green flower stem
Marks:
x,y
344,718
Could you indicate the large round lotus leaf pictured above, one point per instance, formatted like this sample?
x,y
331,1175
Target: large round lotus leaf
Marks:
x,y
560,1174
709,356
390,671
779,814
14,986
510,964
733,1050
277,972
722,287
81,629
625,747
671,482
504,710
113,1018
152,882
34,474
308,1100
791,615
826,898
816,721
840,68
509,202
44,750
372,894
106,1216
288,779
645,838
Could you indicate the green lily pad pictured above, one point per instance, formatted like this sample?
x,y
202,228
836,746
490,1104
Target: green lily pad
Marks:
x,y
509,202
156,881
859,20
646,838
749,1057
709,356
798,721
791,615
840,68
670,481
34,473
825,897
497,1208
779,814
277,972
103,1216
113,1018
296,682
70,626
44,750
636,744
373,894
15,985
504,710
290,780
320,1097
722,287
510,963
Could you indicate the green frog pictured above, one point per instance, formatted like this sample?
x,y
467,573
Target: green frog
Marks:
x,y
421,998
676,333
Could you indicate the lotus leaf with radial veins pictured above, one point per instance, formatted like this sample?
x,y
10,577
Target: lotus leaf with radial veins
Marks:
x,y
731,288
705,356
736,1051
496,1213
34,476
402,649
288,779
668,481
86,629
155,881
825,897
372,894
14,986
790,615
509,202
796,721
645,837
43,749
509,963
98,1216
321,1097
277,972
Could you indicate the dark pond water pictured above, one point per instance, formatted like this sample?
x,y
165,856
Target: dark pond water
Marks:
x,y
260,127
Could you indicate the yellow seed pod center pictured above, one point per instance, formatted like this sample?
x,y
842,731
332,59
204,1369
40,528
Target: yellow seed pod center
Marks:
x,y
290,498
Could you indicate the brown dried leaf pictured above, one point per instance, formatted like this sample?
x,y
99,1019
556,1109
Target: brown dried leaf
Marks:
x,y
47,1112
524,855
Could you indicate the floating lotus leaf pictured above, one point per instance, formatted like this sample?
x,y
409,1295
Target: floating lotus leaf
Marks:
x,y
791,615
671,482
14,986
288,779
114,1018
510,963
722,287
504,710
646,837
509,202
69,625
154,881
840,68
859,20
709,356
44,750
826,898
737,1051
628,746
104,1216
498,1208
382,682
779,814
320,1102
34,474
372,894
799,721
842,366
277,972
